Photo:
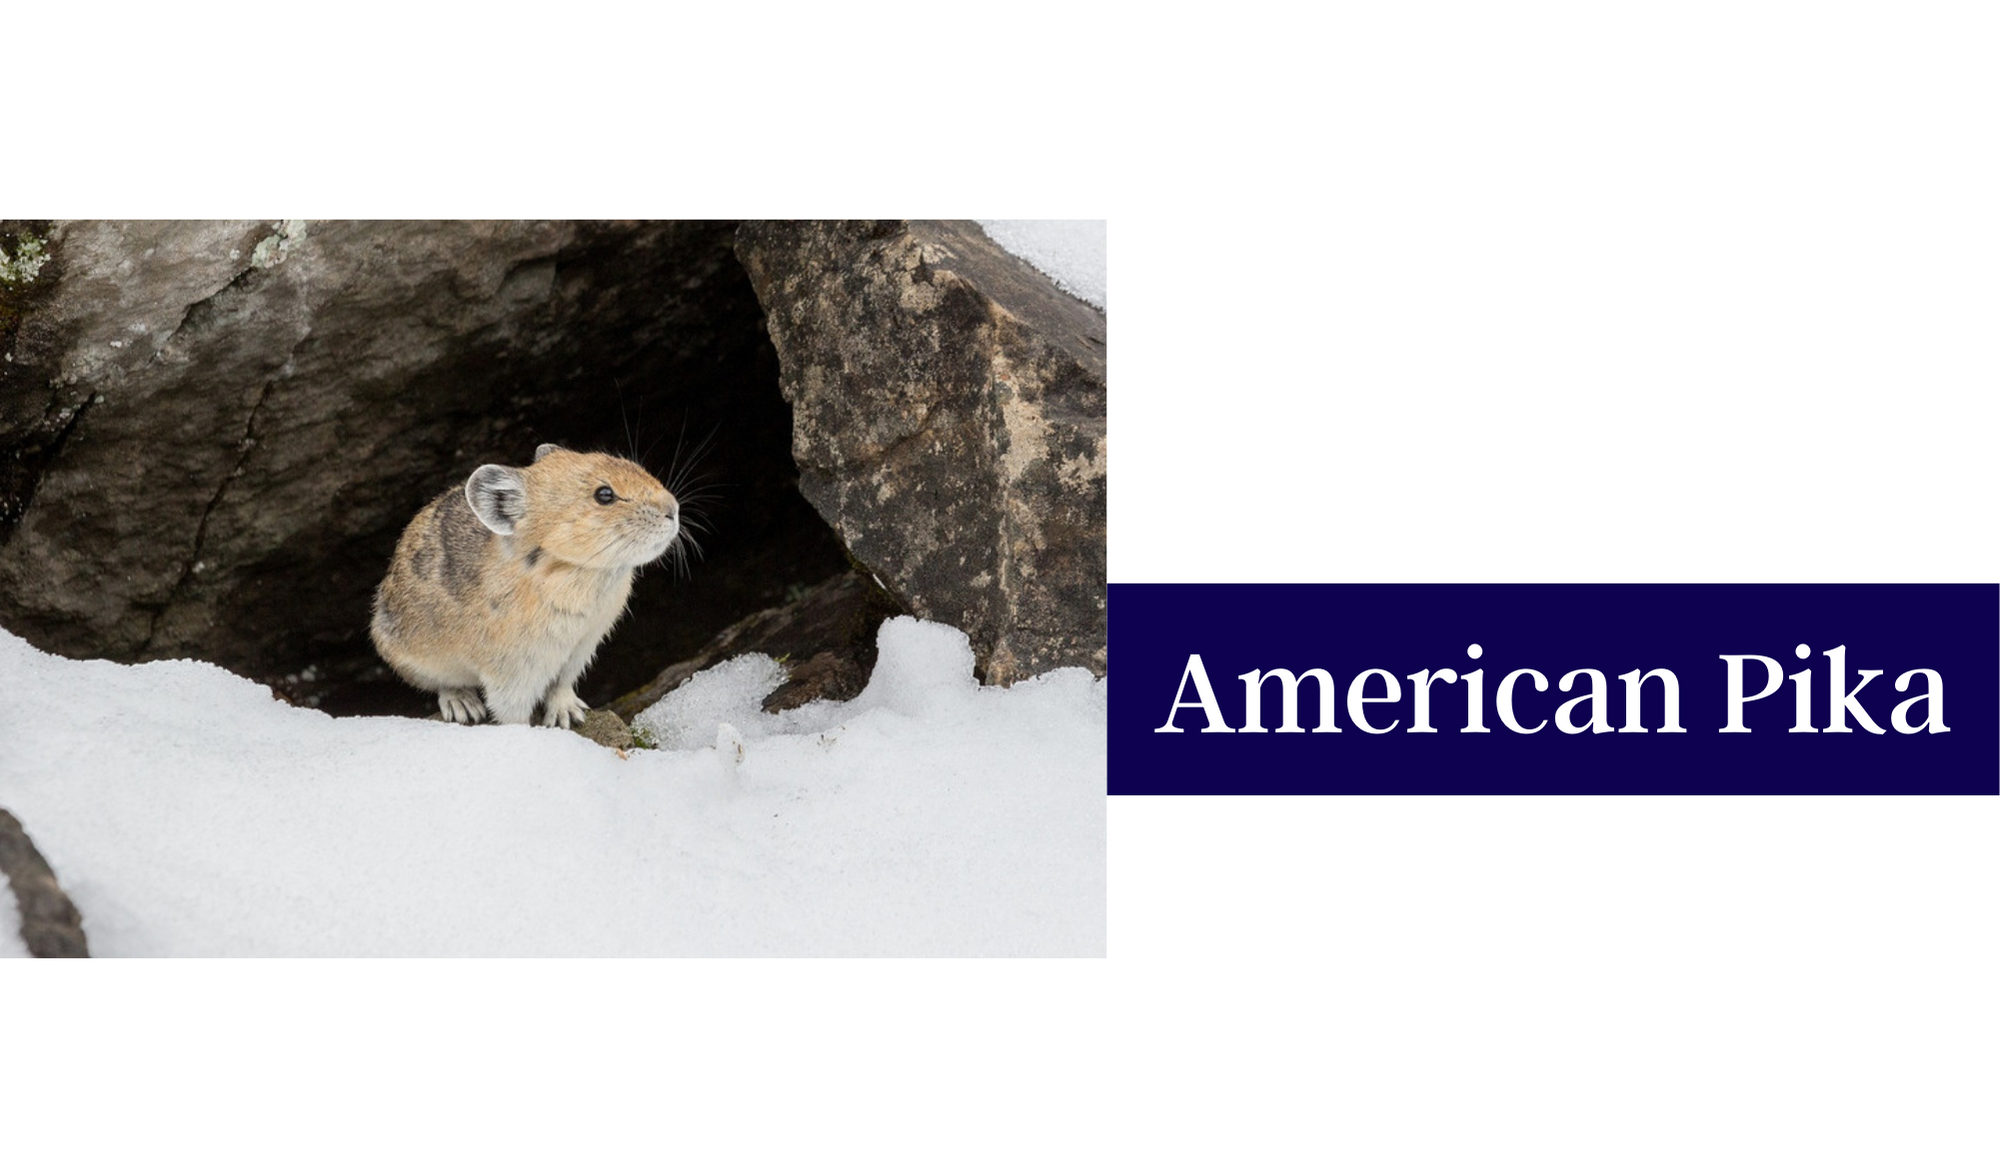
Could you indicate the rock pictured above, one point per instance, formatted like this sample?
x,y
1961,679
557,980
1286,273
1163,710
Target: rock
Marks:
x,y
212,433
824,636
605,727
50,924
949,421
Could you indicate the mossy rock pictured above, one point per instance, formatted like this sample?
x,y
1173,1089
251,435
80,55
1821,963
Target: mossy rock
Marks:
x,y
602,726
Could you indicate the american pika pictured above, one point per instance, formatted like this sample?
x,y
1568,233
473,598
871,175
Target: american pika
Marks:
x,y
507,584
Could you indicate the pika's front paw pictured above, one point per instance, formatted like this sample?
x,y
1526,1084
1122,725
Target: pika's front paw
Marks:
x,y
563,709
460,704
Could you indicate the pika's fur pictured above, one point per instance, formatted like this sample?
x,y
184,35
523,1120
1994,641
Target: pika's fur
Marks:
x,y
508,584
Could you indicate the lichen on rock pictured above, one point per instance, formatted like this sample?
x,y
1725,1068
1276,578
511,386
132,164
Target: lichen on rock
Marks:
x,y
21,266
273,249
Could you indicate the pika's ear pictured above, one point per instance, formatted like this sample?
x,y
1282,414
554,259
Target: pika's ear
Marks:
x,y
498,496
542,451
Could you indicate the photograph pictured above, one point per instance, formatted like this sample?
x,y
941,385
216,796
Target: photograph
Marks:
x,y
553,588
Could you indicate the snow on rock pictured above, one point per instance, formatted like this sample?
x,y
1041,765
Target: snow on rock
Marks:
x,y
1071,253
688,717
187,812
924,670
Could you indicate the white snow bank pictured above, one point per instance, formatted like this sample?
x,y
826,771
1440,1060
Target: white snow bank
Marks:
x,y
187,812
931,679
1071,253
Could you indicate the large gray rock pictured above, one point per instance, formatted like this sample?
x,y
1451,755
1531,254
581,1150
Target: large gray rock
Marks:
x,y
50,924
212,432
949,421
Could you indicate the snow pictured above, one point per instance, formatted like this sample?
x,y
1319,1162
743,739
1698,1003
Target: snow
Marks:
x,y
190,813
1070,252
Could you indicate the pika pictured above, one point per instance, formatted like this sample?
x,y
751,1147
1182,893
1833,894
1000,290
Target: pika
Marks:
x,y
508,584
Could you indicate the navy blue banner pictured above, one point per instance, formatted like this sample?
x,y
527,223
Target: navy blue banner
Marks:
x,y
1519,689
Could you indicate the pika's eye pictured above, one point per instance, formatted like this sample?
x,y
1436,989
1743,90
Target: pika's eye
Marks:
x,y
605,495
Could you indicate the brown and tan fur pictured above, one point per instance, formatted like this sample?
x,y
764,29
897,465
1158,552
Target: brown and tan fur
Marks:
x,y
507,584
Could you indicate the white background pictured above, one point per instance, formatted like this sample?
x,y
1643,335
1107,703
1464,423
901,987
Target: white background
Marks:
x,y
1447,292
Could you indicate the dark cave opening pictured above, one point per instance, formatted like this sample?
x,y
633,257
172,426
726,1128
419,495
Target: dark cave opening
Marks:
x,y
671,365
